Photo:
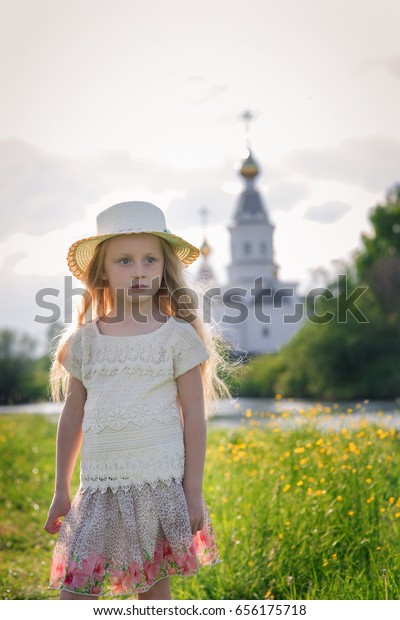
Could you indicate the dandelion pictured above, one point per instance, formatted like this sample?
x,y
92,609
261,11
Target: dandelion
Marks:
x,y
350,513
339,498
286,488
370,499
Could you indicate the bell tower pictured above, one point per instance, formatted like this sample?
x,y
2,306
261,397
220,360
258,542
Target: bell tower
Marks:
x,y
251,233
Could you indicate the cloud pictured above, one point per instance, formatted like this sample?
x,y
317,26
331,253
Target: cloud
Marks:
x,y
328,212
285,195
391,64
50,201
196,78
220,206
370,163
213,92
41,192
37,190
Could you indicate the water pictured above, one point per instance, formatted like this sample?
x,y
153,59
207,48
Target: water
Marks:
x,y
271,412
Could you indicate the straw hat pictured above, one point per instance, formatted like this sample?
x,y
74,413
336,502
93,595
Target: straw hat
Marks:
x,y
122,219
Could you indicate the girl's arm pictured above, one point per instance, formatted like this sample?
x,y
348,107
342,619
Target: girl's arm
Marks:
x,y
190,390
69,439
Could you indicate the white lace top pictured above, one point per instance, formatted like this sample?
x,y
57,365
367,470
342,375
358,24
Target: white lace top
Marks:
x,y
132,430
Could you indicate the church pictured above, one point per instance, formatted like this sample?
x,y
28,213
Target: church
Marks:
x,y
254,310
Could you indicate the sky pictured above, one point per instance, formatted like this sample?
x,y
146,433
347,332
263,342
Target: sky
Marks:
x,y
105,101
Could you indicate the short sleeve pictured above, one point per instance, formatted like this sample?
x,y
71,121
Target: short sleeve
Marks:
x,y
72,355
188,350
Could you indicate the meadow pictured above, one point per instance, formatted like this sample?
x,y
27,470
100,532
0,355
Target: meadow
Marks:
x,y
299,513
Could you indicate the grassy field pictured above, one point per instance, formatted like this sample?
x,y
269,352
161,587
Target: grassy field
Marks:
x,y
298,513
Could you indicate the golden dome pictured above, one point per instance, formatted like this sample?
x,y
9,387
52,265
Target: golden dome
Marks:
x,y
249,168
205,249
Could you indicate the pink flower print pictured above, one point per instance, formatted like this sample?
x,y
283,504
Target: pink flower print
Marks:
x,y
186,562
94,565
121,582
202,540
151,570
167,552
58,567
76,577
192,563
159,556
135,571
95,590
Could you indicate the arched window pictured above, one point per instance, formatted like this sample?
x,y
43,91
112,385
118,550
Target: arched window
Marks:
x,y
247,248
263,247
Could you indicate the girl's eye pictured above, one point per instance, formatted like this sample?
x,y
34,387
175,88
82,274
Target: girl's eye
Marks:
x,y
126,261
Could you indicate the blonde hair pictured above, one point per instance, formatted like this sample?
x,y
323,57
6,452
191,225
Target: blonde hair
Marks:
x,y
174,298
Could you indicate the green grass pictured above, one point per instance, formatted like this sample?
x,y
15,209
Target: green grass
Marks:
x,y
298,514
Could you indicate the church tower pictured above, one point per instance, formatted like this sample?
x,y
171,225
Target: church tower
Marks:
x,y
205,274
259,312
251,232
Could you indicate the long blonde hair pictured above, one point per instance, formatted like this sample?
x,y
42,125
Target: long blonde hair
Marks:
x,y
174,298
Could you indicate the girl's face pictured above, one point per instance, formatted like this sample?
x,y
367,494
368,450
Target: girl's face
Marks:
x,y
134,264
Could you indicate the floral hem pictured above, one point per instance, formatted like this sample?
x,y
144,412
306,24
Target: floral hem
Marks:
x,y
96,575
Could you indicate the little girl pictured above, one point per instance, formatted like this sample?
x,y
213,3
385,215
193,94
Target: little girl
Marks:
x,y
137,372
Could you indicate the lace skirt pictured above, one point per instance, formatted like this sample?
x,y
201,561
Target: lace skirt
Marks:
x,y
124,541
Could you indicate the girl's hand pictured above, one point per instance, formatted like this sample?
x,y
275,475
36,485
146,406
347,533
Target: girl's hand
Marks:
x,y
59,507
196,512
